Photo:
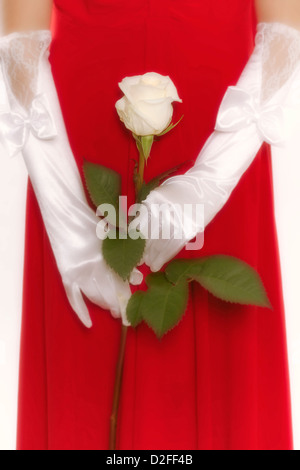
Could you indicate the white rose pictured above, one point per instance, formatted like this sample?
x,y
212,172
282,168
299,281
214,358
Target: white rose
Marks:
x,y
146,108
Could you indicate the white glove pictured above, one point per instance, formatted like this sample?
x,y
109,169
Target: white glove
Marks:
x,y
31,121
264,106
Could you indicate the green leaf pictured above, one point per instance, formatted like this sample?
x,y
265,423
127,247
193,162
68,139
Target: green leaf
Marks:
x,y
146,190
226,277
134,312
181,270
138,142
123,255
103,184
164,304
155,182
147,142
170,128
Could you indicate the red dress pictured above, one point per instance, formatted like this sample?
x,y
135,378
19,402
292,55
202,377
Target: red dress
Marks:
x,y
220,379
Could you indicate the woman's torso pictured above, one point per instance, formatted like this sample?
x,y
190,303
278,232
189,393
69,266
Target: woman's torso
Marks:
x,y
210,383
201,44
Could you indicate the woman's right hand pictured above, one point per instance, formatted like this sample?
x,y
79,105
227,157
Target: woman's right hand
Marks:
x,y
100,285
31,123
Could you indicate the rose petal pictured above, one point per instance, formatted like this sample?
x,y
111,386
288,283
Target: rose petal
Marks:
x,y
146,108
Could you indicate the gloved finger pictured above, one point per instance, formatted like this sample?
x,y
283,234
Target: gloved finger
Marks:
x,y
107,302
141,262
123,293
155,254
113,296
162,251
97,295
123,307
136,277
148,243
77,303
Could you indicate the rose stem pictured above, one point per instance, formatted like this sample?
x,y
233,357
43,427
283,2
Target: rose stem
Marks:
x,y
141,172
121,358
117,390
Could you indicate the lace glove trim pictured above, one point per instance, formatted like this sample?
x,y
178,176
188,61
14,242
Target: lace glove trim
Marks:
x,y
33,123
264,106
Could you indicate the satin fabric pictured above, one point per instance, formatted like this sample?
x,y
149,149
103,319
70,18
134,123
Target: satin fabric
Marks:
x,y
219,380
244,122
15,129
69,221
239,109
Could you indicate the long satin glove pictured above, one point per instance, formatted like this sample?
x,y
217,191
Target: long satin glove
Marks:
x,y
264,106
32,123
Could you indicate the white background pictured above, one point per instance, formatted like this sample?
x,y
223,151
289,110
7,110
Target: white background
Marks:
x,y
12,210
286,169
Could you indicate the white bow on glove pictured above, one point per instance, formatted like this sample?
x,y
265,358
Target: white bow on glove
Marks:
x,y
15,128
264,106
31,121
239,109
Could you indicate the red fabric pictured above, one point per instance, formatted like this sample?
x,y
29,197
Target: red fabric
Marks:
x,y
220,379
